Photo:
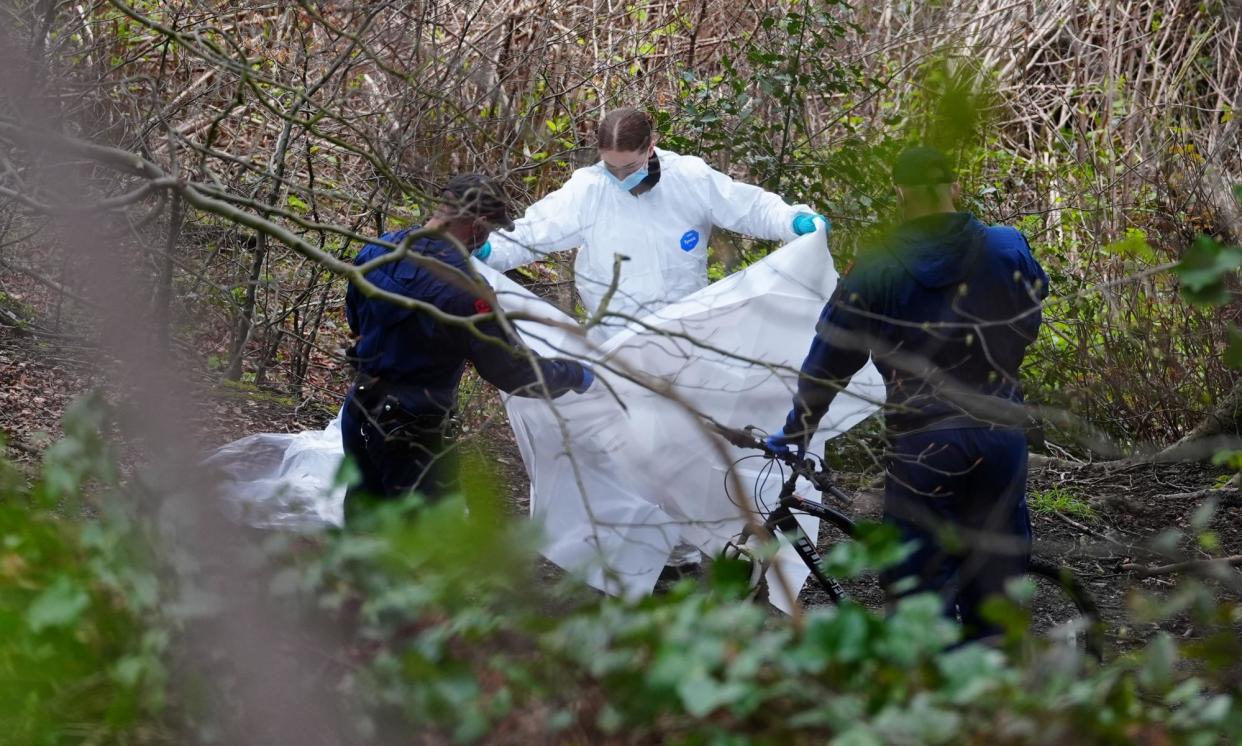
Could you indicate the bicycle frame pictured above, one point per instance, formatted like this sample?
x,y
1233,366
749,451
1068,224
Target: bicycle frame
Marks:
x,y
783,519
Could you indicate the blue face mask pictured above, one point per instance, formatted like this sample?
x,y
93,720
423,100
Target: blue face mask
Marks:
x,y
630,181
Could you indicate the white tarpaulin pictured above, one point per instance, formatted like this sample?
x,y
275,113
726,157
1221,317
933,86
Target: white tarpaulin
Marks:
x,y
622,474
283,480
642,477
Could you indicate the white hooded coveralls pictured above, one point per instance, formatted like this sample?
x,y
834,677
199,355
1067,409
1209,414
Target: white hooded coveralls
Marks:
x,y
664,231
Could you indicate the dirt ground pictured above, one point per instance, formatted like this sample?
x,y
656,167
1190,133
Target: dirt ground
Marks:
x,y
44,366
1141,519
1136,507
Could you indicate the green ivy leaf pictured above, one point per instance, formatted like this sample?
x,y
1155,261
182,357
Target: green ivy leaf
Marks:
x,y
1203,270
129,670
1203,515
702,694
1158,661
57,606
1209,541
1133,246
347,474
1229,459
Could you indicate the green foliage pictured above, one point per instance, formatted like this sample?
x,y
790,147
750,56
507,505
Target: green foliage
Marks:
x,y
247,389
296,203
1129,357
1229,459
1133,246
78,660
454,629
1204,269
951,105
472,646
17,312
1135,360
755,114
1060,500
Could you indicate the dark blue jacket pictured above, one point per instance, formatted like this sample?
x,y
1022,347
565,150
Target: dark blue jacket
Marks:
x,y
946,307
421,359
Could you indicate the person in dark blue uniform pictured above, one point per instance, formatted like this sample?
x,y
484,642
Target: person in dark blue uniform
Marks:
x,y
409,363
946,307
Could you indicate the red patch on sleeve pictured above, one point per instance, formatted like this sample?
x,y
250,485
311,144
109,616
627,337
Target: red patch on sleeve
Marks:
x,y
481,306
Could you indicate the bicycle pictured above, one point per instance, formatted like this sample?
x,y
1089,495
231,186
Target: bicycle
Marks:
x,y
1054,585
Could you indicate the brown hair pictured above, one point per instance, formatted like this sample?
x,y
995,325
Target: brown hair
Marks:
x,y
624,129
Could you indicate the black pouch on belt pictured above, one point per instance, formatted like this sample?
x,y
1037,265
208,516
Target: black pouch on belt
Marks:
x,y
369,391
382,405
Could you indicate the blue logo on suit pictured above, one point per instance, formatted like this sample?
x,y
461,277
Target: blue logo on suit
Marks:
x,y
689,240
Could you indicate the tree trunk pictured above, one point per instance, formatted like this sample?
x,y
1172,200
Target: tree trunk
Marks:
x,y
246,322
310,333
163,289
38,43
272,335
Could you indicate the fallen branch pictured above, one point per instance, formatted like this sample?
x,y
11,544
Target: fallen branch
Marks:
x,y
1197,566
1226,496
1040,461
1129,548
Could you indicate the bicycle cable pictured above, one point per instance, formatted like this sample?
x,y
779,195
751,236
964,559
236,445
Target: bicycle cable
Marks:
x,y
738,501
761,480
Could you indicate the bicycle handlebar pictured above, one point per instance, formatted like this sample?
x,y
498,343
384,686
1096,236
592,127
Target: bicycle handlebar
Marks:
x,y
739,438
803,467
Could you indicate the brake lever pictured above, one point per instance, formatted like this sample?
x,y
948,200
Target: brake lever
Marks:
x,y
828,485
823,481
756,441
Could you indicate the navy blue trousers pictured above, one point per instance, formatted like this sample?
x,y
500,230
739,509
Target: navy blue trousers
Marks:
x,y
960,496
397,452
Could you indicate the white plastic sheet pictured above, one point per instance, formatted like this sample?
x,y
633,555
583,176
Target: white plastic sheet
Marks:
x,y
622,474
641,477
283,480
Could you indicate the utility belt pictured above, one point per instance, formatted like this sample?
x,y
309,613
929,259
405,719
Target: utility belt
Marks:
x,y
961,410
954,422
392,408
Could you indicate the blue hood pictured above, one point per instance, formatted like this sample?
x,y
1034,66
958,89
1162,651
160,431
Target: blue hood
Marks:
x,y
939,250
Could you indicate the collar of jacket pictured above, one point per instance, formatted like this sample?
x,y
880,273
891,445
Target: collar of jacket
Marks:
x,y
653,176
434,246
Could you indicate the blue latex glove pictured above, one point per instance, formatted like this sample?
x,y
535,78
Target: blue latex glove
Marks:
x,y
778,444
588,378
804,222
484,251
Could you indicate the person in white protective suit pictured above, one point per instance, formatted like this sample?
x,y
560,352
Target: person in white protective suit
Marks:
x,y
654,207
